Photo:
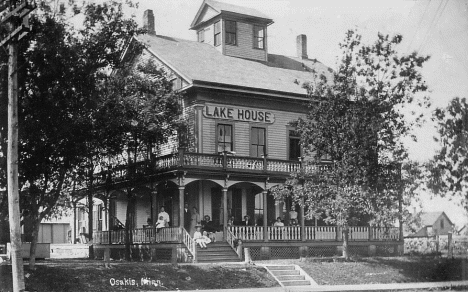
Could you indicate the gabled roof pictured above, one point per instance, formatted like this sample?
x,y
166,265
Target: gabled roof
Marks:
x,y
220,7
428,218
202,63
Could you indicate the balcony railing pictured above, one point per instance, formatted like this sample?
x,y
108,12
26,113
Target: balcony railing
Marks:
x,y
122,172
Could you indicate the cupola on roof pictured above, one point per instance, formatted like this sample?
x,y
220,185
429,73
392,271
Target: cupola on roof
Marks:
x,y
210,9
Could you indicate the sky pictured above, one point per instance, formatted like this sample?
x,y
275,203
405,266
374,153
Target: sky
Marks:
x,y
438,28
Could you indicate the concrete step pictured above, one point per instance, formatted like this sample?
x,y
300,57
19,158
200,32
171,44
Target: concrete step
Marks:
x,y
285,272
280,268
296,283
291,277
218,260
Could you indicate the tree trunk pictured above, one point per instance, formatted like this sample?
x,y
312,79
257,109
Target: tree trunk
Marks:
x,y
90,223
129,225
345,242
32,249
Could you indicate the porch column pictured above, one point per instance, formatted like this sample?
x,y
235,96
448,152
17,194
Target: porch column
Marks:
x,y
265,216
225,211
303,234
181,206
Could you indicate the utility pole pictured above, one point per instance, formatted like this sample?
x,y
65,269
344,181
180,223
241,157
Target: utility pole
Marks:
x,y
15,17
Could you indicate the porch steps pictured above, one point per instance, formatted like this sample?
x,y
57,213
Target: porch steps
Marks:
x,y
216,252
290,275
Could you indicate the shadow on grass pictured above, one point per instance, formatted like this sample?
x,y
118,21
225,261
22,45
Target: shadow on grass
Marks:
x,y
423,268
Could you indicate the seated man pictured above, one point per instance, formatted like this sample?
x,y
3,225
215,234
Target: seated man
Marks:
x,y
209,227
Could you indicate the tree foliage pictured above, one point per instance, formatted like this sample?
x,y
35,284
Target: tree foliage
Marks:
x,y
148,112
61,67
357,121
448,173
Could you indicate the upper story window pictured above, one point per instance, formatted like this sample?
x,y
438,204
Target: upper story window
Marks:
x,y
231,32
224,137
217,33
201,36
257,142
294,145
442,223
259,37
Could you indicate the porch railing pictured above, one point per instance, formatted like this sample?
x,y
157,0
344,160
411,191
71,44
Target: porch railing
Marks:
x,y
315,233
139,235
247,233
254,233
321,233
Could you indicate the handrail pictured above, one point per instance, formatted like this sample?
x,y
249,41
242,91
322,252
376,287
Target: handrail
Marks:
x,y
190,243
230,238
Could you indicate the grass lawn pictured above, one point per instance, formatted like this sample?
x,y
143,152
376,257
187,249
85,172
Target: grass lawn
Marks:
x,y
87,275
379,270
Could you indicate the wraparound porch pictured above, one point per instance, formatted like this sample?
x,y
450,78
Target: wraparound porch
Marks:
x,y
256,234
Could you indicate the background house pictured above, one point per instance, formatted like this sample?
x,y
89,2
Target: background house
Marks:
x,y
434,223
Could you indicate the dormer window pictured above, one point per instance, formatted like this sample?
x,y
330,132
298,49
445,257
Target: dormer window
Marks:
x,y
201,36
217,33
231,32
259,37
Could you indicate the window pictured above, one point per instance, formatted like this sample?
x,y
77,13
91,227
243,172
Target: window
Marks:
x,y
259,37
231,32
442,223
224,133
257,142
217,33
201,36
294,145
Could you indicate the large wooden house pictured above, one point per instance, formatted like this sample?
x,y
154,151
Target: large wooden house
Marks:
x,y
240,101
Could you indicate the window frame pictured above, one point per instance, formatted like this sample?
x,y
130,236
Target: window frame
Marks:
x,y
226,32
220,41
288,143
256,37
201,36
265,149
232,135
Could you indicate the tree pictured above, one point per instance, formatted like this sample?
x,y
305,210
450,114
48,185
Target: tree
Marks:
x,y
59,100
149,114
357,121
447,173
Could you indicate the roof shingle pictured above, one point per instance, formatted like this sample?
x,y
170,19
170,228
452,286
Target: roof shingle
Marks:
x,y
202,62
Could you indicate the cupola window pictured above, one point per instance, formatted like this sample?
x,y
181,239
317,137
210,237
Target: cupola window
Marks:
x,y
231,32
259,37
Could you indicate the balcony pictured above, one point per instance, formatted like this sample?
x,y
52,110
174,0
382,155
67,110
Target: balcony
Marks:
x,y
214,162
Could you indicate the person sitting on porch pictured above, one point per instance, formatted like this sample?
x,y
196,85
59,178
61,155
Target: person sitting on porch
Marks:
x,y
209,227
161,223
231,221
165,215
278,222
293,222
199,238
247,221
